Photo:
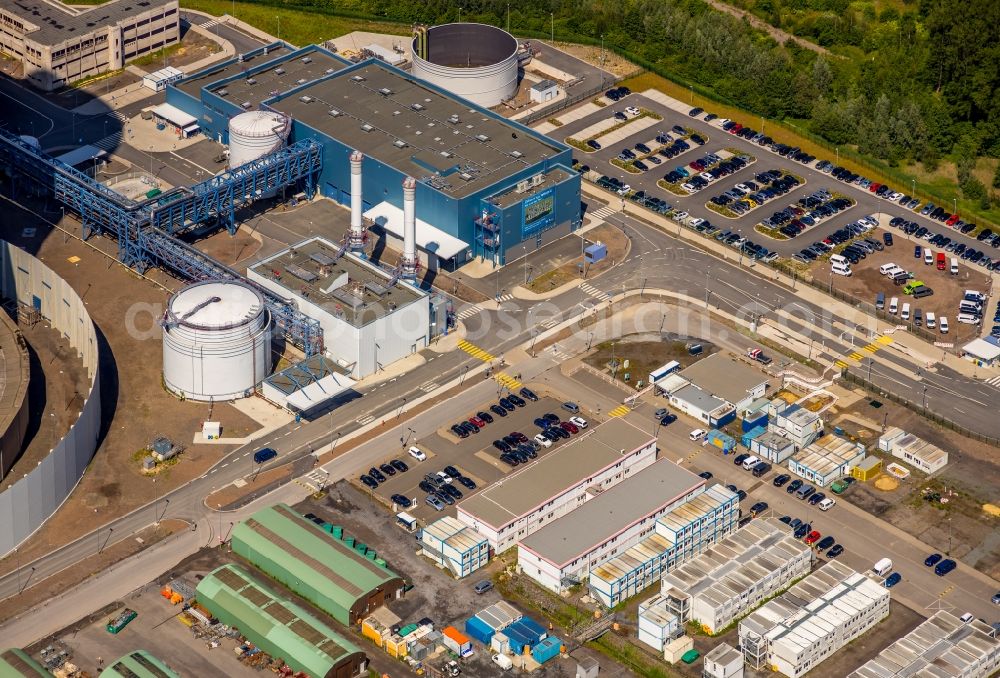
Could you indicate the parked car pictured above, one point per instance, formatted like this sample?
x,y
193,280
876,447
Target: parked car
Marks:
x,y
825,543
892,580
793,486
571,407
707,475
369,481
933,559
529,394
399,465
483,586
835,551
944,567
812,537
781,480
402,501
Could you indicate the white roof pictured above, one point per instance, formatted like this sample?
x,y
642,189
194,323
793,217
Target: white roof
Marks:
x,y
429,238
81,154
320,391
175,116
164,74
982,349
386,55
216,304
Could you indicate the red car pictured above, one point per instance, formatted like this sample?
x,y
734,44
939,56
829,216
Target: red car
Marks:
x,y
874,187
736,128
697,166
477,422
813,537
952,220
569,427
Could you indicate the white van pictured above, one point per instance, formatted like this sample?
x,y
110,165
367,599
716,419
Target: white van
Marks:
x,y
954,265
827,504
894,305
750,462
943,324
975,293
838,259
697,434
968,318
931,320
905,315
503,661
841,269
885,269
928,256
882,567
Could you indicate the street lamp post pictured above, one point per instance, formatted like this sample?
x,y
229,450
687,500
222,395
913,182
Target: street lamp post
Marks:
x,y
524,248
590,338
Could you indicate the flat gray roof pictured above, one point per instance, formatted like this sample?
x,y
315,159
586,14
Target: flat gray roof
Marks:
x,y
724,377
703,400
551,177
211,74
50,23
582,530
356,290
280,76
554,473
410,127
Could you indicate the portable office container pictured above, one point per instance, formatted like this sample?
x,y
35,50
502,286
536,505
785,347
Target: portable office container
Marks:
x,y
531,629
456,641
479,630
500,643
546,650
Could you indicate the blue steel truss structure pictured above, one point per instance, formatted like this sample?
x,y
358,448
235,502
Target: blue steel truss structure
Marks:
x,y
145,230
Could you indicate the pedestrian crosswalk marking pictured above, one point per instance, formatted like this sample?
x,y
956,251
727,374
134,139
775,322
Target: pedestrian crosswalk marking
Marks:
x,y
602,212
468,312
872,348
856,356
475,351
504,297
619,411
510,382
841,364
884,339
591,290
994,381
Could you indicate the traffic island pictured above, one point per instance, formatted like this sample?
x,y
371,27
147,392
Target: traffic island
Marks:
x,y
569,271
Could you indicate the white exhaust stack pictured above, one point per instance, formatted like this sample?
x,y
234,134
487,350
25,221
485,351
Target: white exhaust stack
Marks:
x,y
409,262
356,240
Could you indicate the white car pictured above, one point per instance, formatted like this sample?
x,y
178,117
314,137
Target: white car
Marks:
x,y
707,177
697,434
680,216
543,441
624,189
444,477
689,188
696,222
579,421
417,454
631,110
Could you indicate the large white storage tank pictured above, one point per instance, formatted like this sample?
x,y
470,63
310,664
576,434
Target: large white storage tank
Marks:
x,y
216,341
476,61
255,134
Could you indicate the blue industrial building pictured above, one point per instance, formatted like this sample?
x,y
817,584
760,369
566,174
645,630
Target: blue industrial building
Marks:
x,y
486,186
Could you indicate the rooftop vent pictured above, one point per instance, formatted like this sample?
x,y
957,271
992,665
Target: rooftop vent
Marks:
x,y
335,113
417,107
399,143
246,105
358,78
385,91
305,98
465,176
366,127
516,154
307,60
330,70
301,273
279,71
482,137
223,92
453,119
447,154
251,81
321,259
301,81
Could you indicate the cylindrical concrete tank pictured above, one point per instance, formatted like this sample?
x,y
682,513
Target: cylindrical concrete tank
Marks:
x,y
255,134
216,341
475,61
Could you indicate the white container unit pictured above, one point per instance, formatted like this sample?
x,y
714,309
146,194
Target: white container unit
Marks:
x,y
657,626
216,341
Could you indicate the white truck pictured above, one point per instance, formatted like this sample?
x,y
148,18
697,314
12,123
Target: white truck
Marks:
x,y
503,661
882,567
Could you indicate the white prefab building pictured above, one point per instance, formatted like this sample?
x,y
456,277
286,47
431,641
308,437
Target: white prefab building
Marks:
x,y
772,446
734,381
536,494
826,459
455,545
543,91
736,575
800,628
702,405
913,450
723,661
798,424
369,320
563,553
657,624
682,533
943,645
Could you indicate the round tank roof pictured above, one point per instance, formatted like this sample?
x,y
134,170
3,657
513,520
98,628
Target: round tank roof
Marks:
x,y
215,305
258,123
467,45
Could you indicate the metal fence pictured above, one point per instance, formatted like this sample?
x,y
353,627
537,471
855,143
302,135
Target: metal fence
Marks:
x,y
543,113
851,378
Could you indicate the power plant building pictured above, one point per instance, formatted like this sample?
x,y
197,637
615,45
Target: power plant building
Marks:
x,y
485,186
369,320
60,44
278,626
343,581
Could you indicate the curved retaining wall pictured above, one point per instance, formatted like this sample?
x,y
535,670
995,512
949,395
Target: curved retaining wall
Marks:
x,y
27,502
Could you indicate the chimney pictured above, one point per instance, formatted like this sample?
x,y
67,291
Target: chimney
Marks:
x,y
409,263
356,240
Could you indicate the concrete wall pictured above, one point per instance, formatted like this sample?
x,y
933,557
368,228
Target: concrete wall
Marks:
x,y
25,504
17,377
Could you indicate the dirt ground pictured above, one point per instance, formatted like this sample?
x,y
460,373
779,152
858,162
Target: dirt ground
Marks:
x,y
192,47
643,356
71,576
948,289
71,97
594,56
970,479
135,408
618,247
57,381
231,249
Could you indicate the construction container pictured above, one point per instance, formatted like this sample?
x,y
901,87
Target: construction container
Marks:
x,y
547,649
500,615
360,547
519,641
373,630
750,435
456,641
396,646
117,623
479,630
500,643
530,629
337,531
721,440
407,630
381,561
370,554
349,541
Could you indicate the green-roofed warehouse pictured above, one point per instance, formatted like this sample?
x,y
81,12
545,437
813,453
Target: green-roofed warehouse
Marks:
x,y
15,663
324,570
279,627
138,664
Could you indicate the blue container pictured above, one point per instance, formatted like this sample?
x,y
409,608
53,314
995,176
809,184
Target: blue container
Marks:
x,y
748,436
478,629
519,640
758,421
546,650
529,628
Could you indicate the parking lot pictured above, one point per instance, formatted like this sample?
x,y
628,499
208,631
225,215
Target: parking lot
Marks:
x,y
475,457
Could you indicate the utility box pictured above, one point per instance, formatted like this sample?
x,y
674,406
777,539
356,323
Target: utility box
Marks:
x,y
594,253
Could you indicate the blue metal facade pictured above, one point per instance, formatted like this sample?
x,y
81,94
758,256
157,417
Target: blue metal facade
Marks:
x,y
556,206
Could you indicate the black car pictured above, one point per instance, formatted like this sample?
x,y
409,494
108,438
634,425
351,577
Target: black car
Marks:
x,y
485,416
497,410
369,481
794,485
825,543
787,520
740,458
401,500
802,530
529,394
426,486
399,465
553,418
695,112
451,490
511,441
445,497
782,479
507,404
517,400
816,498
758,508
467,482
558,431
452,471
501,445
459,431
835,551
508,459
741,494
376,474
707,475
668,419
594,144
387,469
